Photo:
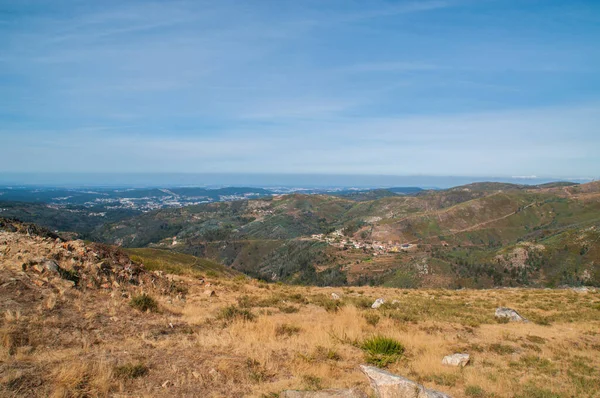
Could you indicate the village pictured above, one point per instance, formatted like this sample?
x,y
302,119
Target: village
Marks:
x,y
338,239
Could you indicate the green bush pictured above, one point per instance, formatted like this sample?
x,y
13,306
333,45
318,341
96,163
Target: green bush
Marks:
x,y
382,351
144,303
231,313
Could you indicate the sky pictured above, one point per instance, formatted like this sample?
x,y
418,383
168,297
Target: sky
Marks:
x,y
430,87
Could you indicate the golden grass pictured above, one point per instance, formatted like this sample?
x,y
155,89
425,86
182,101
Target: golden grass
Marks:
x,y
189,351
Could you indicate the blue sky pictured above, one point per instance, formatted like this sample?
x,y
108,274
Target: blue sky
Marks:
x,y
440,87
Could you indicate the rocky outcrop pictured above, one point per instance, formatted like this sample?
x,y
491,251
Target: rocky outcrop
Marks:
x,y
388,385
461,360
331,393
510,314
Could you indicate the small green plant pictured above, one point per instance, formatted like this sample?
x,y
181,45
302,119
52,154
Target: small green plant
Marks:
x,y
475,392
533,391
256,371
286,330
144,302
289,309
382,351
231,313
312,382
502,349
536,339
327,353
131,371
443,379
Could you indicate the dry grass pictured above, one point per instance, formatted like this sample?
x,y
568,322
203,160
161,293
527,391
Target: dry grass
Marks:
x,y
253,339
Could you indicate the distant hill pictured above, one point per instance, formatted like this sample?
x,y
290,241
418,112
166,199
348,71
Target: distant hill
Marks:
x,y
479,235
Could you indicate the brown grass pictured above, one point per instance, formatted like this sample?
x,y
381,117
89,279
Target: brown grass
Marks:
x,y
76,344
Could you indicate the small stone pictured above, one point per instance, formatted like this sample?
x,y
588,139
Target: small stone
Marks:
x,y
456,360
335,296
167,384
210,293
378,303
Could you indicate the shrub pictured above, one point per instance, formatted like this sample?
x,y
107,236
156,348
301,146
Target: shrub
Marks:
x,y
372,318
289,309
312,382
536,339
324,353
256,371
287,330
382,351
443,379
231,313
144,303
475,392
131,371
502,349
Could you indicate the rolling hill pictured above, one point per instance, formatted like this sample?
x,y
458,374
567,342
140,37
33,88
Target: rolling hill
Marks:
x,y
464,236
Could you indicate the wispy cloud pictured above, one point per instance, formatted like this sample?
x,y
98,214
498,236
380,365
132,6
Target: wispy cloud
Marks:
x,y
381,87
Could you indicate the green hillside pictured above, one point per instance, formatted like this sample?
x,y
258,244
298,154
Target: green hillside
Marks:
x,y
178,263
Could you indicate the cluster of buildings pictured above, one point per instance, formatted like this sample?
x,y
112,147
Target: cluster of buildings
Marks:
x,y
338,239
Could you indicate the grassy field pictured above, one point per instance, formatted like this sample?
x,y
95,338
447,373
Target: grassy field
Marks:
x,y
257,339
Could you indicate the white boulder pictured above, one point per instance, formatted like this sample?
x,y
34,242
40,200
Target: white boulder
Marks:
x,y
378,303
456,360
388,385
510,314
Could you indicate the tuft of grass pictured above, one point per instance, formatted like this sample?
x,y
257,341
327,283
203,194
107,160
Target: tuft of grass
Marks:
x,y
312,382
144,302
371,318
131,371
443,379
287,330
256,371
231,313
475,392
502,349
533,391
536,339
382,351
289,309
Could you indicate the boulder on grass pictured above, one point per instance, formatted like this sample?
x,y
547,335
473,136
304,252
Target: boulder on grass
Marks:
x,y
331,393
388,385
456,360
378,303
510,314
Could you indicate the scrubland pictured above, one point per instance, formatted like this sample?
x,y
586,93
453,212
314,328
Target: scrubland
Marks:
x,y
256,339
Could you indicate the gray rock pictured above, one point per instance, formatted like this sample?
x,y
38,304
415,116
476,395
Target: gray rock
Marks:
x,y
456,360
331,393
388,385
51,265
378,303
512,315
